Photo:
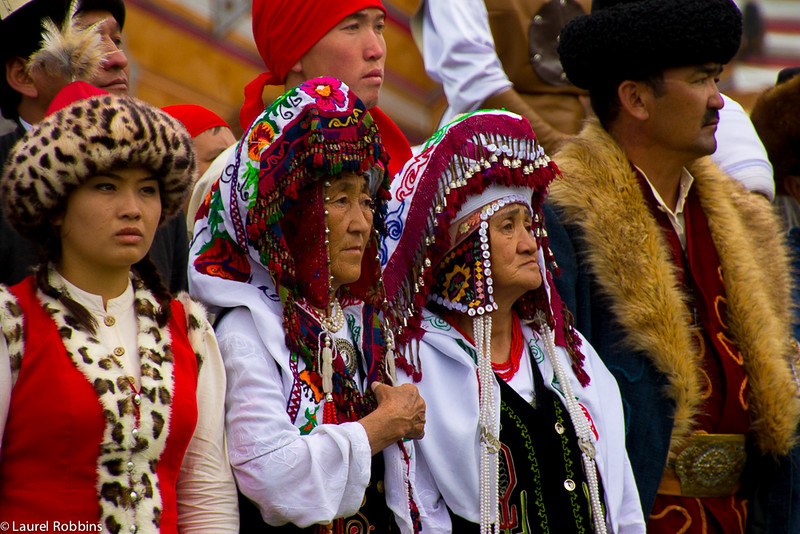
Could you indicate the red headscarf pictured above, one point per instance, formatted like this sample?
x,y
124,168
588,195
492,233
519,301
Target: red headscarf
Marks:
x,y
284,30
197,119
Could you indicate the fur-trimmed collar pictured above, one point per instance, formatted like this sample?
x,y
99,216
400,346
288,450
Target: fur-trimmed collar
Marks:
x,y
632,265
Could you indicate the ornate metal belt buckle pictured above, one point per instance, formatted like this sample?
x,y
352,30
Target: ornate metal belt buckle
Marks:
x,y
711,465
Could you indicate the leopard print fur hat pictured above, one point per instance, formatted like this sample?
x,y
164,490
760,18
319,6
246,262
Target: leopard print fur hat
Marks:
x,y
88,137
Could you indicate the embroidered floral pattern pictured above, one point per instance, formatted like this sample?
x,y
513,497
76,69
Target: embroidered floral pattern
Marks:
x,y
328,93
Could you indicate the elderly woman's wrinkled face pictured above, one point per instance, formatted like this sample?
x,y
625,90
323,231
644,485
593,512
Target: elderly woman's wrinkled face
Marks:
x,y
515,266
349,217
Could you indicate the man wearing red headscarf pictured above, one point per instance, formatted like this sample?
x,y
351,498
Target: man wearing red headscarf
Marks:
x,y
302,40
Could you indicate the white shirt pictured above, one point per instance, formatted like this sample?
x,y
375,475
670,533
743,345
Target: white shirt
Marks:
x,y
677,216
740,153
458,51
292,478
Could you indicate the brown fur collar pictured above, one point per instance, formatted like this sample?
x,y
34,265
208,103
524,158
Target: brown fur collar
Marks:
x,y
632,265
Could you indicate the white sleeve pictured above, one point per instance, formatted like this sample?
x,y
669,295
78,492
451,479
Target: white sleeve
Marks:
x,y
292,478
207,499
458,51
5,387
740,153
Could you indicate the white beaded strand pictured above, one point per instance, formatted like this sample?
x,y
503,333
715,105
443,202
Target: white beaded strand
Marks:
x,y
490,443
581,424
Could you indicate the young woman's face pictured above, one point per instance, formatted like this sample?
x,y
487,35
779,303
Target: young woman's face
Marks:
x,y
110,220
349,219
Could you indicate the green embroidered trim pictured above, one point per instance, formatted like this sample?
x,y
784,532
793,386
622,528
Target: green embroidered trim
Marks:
x,y
569,469
537,478
469,350
355,328
311,421
536,351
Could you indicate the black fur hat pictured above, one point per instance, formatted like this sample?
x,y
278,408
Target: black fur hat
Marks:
x,y
632,40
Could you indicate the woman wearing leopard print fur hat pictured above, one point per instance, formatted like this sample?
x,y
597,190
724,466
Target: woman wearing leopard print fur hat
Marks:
x,y
111,391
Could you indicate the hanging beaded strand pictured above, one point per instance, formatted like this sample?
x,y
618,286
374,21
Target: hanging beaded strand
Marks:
x,y
581,424
326,341
490,443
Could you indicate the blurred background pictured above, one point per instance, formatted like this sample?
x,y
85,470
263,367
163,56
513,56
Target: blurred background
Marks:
x,y
202,52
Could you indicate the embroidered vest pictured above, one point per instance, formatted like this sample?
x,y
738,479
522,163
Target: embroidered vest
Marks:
x,y
53,437
543,488
725,391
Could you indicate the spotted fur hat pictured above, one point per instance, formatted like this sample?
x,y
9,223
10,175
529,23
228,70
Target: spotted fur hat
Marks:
x,y
89,136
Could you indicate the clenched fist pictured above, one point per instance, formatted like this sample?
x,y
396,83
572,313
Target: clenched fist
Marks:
x,y
400,415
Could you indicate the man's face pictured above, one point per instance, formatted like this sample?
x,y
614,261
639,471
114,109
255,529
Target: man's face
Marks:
x,y
685,110
210,144
353,51
115,73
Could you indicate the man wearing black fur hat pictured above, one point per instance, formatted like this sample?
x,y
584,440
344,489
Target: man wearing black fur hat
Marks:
x,y
684,288
26,90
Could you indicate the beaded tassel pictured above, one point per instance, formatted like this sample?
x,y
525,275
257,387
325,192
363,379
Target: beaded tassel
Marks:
x,y
490,444
581,424
326,367
390,367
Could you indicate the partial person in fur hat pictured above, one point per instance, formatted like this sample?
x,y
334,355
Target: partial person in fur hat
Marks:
x,y
44,45
682,281
776,116
125,382
285,251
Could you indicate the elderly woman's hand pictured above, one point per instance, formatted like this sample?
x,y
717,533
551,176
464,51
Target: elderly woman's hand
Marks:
x,y
400,415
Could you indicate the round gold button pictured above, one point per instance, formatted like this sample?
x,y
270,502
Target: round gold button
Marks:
x,y
109,320
119,351
137,399
559,428
569,484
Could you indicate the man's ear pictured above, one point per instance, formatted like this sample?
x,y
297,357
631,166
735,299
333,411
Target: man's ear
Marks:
x,y
634,97
297,67
791,183
19,79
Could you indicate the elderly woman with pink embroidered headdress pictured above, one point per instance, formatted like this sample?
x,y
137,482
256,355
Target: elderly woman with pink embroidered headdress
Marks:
x,y
524,423
285,251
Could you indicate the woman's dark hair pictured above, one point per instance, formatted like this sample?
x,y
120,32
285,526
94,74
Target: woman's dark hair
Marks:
x,y
79,316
